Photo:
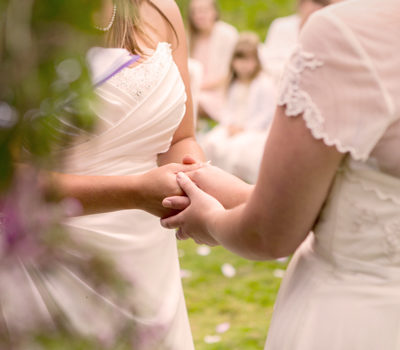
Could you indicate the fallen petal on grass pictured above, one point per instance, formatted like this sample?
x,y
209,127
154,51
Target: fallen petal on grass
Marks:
x,y
228,270
203,250
186,274
212,339
278,273
223,327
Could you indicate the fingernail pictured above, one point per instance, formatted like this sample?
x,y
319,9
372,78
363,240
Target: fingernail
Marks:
x,y
166,203
180,175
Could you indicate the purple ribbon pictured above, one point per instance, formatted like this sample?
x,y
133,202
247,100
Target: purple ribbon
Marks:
x,y
134,59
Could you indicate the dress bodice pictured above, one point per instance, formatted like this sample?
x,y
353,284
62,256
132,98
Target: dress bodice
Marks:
x,y
138,111
358,231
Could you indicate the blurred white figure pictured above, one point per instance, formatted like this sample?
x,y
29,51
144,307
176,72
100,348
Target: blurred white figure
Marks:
x,y
196,77
283,35
211,42
249,109
282,38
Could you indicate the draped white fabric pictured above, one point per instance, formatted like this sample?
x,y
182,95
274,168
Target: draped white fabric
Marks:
x,y
139,110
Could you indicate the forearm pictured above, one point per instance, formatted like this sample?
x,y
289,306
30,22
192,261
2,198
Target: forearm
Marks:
x,y
240,233
235,197
180,149
98,194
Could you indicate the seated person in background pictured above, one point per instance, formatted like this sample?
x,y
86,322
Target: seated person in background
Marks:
x,y
211,43
248,111
283,36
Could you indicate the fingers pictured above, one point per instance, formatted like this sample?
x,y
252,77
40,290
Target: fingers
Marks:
x,y
176,202
188,159
186,167
173,221
187,185
181,236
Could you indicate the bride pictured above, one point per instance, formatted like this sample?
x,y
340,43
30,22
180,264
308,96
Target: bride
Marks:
x,y
338,176
145,120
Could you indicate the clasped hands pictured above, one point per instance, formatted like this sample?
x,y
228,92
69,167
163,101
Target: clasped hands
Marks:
x,y
207,192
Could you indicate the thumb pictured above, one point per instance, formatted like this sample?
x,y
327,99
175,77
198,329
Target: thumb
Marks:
x,y
187,185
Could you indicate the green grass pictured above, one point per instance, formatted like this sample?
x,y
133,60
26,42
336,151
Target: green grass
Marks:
x,y
245,300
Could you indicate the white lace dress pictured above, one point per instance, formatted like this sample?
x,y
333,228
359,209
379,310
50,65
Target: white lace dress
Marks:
x,y
139,110
342,287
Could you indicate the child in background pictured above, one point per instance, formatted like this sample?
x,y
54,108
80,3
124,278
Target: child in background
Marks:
x,y
237,143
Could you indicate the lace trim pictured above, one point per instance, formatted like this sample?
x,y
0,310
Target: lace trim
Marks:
x,y
371,179
365,219
137,81
384,196
298,101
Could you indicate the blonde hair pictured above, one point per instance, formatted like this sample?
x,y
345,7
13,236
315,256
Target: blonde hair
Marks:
x,y
129,26
246,46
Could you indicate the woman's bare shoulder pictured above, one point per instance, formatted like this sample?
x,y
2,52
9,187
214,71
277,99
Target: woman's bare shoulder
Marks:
x,y
157,14
168,7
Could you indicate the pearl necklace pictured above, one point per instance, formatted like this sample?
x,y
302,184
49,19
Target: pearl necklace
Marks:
x,y
106,29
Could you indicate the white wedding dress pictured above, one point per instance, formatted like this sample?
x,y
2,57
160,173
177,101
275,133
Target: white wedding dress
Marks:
x,y
342,287
138,111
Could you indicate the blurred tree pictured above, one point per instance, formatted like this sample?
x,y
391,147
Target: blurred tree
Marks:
x,y
45,83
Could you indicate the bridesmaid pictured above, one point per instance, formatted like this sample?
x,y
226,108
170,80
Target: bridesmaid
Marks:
x,y
212,42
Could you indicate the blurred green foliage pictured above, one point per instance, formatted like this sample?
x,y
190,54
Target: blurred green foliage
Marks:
x,y
45,95
45,84
255,15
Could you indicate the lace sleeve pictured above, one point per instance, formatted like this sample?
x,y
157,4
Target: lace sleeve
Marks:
x,y
331,83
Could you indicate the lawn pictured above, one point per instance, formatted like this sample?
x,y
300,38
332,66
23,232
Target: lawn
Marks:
x,y
243,302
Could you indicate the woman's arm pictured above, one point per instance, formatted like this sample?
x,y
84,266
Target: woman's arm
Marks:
x,y
183,142
228,189
295,177
99,194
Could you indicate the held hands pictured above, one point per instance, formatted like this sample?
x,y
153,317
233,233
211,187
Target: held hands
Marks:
x,y
159,183
208,191
229,190
199,210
